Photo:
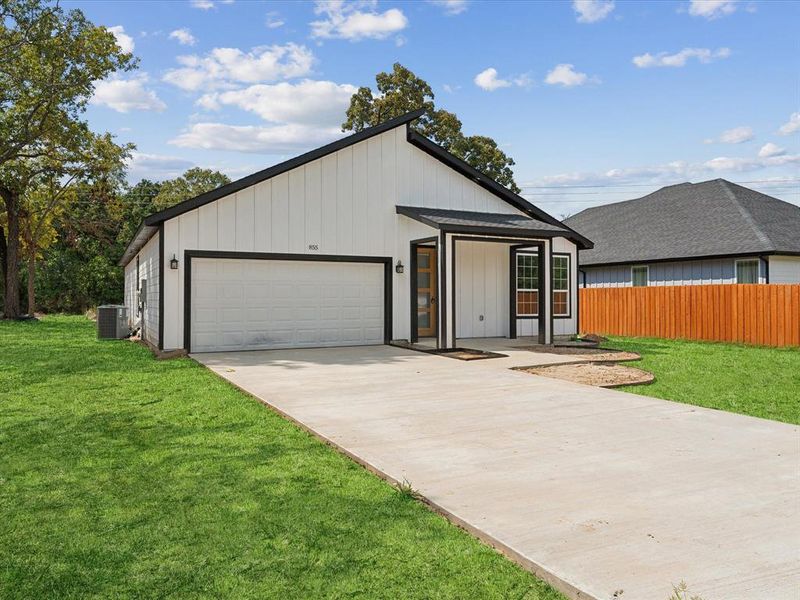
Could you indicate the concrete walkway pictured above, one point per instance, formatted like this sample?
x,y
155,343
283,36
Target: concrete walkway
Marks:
x,y
594,490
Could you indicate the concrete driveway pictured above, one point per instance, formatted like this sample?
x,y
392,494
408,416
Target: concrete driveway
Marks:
x,y
594,490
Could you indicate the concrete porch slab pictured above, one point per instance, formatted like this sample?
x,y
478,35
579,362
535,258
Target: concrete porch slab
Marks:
x,y
594,490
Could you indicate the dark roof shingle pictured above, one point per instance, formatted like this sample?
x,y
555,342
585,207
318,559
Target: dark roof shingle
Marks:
x,y
466,220
689,220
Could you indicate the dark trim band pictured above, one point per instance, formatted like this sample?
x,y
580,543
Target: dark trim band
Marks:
x,y
188,255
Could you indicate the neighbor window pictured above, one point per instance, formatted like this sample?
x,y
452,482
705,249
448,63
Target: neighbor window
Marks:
x,y
527,285
640,275
747,271
560,286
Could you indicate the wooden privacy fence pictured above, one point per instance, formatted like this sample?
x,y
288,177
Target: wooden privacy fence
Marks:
x,y
751,313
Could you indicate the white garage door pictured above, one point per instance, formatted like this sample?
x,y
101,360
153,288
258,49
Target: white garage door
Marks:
x,y
252,304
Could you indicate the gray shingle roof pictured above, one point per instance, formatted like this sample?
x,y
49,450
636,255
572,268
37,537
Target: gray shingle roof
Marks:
x,y
689,220
478,222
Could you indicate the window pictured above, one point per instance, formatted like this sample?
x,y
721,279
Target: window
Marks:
x,y
747,271
527,285
560,286
640,276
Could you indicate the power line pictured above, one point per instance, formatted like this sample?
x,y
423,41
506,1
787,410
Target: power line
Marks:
x,y
625,185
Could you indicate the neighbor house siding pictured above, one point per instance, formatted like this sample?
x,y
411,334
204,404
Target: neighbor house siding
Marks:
x,y
784,269
693,272
341,204
148,260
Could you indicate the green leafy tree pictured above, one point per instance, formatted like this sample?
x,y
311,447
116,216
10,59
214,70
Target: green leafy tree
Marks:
x,y
400,92
192,183
50,61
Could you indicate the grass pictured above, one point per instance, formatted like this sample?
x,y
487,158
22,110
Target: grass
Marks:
x,y
126,477
751,380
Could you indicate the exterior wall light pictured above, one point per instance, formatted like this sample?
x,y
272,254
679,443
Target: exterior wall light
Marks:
x,y
398,268
173,264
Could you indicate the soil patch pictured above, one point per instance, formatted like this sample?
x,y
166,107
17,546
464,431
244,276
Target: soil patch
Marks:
x,y
598,374
593,354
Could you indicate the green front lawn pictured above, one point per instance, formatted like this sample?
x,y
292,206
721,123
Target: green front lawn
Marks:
x,y
756,381
122,476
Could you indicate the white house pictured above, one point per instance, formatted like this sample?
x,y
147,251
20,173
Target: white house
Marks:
x,y
376,237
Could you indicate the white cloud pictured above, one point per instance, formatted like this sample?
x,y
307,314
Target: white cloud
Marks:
x,y
347,20
307,102
451,7
711,9
591,11
667,172
792,125
736,135
156,166
679,59
272,139
565,75
184,36
202,4
769,149
125,95
224,66
124,41
274,20
489,81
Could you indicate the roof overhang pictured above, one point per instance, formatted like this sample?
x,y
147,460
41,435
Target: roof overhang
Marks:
x,y
140,238
489,184
480,223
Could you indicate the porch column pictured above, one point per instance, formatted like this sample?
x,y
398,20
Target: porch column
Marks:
x,y
447,334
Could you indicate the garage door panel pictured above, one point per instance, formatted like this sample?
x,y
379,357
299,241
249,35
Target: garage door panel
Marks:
x,y
241,304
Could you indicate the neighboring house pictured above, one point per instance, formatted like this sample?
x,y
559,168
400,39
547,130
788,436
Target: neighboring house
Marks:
x,y
691,234
379,236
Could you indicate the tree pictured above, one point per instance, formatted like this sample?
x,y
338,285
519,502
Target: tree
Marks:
x,y
400,92
192,183
51,59
50,186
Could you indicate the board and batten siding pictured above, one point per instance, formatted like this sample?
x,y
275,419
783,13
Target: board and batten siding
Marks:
x,y
689,272
482,289
341,204
784,269
148,270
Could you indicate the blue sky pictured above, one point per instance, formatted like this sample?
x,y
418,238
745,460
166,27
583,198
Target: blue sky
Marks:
x,y
596,101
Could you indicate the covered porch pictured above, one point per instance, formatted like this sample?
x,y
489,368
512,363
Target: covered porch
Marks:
x,y
488,276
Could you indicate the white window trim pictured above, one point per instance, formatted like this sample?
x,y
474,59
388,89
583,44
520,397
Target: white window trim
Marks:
x,y
747,260
518,289
647,275
569,285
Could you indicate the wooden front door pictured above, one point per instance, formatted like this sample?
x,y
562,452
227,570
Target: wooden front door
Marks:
x,y
426,291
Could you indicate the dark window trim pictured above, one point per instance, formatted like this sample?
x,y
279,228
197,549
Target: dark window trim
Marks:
x,y
569,283
736,262
647,279
512,290
188,255
516,255
138,283
413,334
